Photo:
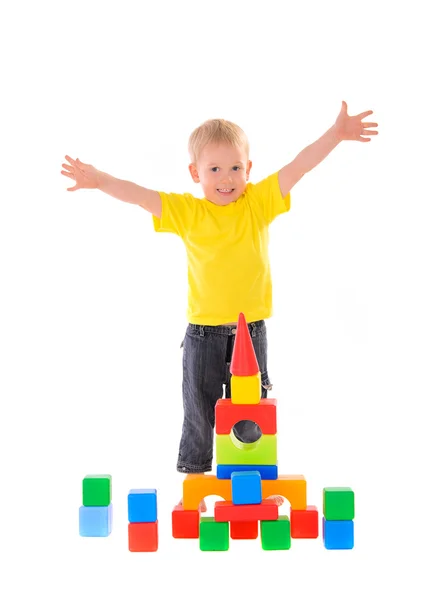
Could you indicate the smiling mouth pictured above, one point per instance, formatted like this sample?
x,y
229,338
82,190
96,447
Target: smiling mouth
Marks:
x,y
225,190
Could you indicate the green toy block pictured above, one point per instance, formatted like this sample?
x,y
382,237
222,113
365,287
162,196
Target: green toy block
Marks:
x,y
213,535
230,451
96,490
275,535
338,504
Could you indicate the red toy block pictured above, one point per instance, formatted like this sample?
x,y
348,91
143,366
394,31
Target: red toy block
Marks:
x,y
228,414
304,523
143,537
185,523
244,530
244,361
227,511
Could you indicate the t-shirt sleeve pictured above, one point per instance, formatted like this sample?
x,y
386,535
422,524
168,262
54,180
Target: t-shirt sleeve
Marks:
x,y
268,194
177,213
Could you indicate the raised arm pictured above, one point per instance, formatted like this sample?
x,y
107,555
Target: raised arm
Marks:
x,y
87,177
345,128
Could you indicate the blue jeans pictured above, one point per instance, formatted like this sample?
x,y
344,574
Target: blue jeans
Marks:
x,y
207,353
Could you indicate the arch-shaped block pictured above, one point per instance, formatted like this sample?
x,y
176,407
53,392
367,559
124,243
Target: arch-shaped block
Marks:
x,y
292,487
197,486
264,414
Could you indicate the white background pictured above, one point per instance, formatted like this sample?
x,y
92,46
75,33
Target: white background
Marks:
x,y
93,302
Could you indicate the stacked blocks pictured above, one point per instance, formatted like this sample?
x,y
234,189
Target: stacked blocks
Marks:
x,y
143,523
95,514
247,474
338,516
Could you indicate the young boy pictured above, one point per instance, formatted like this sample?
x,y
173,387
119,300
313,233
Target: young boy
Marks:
x,y
226,239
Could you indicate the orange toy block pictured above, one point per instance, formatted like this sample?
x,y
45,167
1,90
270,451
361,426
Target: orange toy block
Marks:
x,y
244,530
292,487
143,537
304,523
264,414
227,511
197,486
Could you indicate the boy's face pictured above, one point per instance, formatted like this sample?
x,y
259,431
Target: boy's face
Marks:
x,y
223,172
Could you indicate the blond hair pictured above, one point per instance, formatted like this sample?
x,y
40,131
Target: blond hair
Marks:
x,y
218,131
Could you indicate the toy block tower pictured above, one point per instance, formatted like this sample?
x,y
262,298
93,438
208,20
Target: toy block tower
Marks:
x,y
247,474
95,514
143,522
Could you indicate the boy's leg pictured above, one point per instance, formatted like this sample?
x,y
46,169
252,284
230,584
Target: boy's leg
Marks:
x,y
204,372
248,431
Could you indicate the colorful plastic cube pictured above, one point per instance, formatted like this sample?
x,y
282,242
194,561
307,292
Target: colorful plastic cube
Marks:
x,y
142,505
338,535
246,487
275,535
95,521
338,504
213,536
96,490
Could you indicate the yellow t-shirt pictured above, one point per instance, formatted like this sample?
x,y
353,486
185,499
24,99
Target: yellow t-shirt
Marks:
x,y
227,251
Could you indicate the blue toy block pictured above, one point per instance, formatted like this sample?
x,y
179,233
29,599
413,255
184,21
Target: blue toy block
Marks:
x,y
338,535
95,521
266,471
142,506
246,487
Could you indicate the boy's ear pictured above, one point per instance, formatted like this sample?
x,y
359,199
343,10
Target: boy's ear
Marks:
x,y
194,173
247,172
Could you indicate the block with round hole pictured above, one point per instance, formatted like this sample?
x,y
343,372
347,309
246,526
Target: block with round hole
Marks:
x,y
229,450
264,414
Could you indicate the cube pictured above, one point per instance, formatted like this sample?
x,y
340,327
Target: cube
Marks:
x,y
246,389
338,535
185,523
213,536
95,521
143,537
246,487
275,535
142,505
244,530
96,490
338,504
304,523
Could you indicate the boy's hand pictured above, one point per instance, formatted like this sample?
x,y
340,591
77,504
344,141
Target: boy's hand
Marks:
x,y
352,128
85,176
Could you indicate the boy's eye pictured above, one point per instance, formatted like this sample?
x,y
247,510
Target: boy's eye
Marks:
x,y
214,169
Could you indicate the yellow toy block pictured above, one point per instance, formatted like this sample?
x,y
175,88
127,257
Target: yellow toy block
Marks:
x,y
197,486
246,389
230,451
292,487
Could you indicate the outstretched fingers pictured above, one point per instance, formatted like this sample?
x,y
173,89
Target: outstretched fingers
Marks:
x,y
364,114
